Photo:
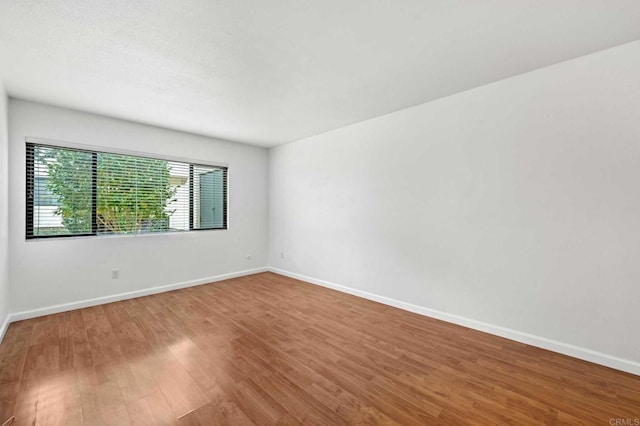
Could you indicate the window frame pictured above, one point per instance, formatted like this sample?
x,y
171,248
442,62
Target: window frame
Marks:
x,y
31,142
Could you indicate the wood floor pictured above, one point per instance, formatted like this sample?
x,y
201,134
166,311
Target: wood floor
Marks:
x,y
266,349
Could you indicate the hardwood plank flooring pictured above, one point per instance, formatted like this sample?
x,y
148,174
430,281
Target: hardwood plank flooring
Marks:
x,y
267,349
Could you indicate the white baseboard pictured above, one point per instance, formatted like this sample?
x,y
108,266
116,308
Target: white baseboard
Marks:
x,y
19,316
4,326
626,365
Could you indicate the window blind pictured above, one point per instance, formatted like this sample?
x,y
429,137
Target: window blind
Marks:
x,y
76,192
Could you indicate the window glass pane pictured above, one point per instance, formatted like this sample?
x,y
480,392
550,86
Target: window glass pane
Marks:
x,y
209,197
133,194
62,192
178,207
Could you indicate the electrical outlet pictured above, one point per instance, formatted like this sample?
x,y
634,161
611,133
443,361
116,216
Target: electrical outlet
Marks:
x,y
248,257
281,255
115,274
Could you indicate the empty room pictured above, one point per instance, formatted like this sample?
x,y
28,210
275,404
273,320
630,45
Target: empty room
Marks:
x,y
410,212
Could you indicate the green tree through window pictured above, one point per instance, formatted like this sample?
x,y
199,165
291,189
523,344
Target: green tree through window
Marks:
x,y
69,177
133,194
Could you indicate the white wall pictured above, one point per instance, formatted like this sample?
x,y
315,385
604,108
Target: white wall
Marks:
x,y
515,204
59,271
4,211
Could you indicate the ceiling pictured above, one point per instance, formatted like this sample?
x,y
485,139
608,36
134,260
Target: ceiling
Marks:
x,y
270,72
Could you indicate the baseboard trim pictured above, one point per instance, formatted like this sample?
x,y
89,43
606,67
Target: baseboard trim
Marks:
x,y
19,316
526,338
4,327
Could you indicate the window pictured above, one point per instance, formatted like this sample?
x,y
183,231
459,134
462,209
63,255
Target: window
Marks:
x,y
76,192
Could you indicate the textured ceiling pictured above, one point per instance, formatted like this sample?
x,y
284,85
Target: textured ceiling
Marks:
x,y
269,72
